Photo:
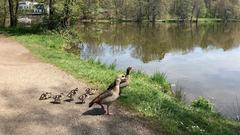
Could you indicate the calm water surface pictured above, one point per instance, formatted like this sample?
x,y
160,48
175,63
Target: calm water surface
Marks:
x,y
204,60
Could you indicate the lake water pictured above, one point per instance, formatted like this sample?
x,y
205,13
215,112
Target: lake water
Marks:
x,y
203,60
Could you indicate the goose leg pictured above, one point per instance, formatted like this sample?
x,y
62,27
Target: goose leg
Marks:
x,y
102,107
108,113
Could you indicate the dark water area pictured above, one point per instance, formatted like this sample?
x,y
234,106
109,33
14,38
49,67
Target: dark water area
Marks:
x,y
203,60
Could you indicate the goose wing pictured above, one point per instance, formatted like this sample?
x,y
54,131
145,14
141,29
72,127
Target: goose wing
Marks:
x,y
101,97
123,83
110,87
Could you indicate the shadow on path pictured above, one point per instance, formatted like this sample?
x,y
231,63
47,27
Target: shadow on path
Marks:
x,y
94,111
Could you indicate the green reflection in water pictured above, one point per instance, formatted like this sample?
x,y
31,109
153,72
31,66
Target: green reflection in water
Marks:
x,y
153,42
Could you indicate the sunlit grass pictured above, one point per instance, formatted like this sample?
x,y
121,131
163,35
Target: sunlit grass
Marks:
x,y
159,77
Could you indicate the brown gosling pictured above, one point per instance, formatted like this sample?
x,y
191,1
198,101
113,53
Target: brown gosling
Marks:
x,y
45,96
91,91
72,93
57,98
107,97
83,97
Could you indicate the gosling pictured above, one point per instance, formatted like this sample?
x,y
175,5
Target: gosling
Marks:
x,y
82,98
45,96
57,98
91,91
72,93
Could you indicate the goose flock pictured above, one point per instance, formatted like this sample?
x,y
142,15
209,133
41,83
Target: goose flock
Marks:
x,y
105,98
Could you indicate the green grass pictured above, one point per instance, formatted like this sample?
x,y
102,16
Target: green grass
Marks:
x,y
159,77
146,94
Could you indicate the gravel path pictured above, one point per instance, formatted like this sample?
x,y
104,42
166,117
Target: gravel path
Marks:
x,y
23,78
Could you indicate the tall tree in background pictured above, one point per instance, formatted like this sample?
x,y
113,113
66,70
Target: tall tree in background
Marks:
x,y
154,9
63,12
139,10
51,15
118,7
67,13
209,7
198,9
3,12
225,9
182,9
13,11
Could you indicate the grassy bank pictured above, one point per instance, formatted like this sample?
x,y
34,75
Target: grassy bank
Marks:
x,y
149,96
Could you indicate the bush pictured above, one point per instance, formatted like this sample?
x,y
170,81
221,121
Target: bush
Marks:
x,y
202,103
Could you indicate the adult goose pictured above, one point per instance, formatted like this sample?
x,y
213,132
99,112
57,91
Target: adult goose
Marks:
x,y
109,96
125,82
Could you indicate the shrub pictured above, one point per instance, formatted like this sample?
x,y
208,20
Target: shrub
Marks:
x,y
202,103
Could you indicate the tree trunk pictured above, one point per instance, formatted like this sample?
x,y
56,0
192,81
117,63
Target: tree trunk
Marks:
x,y
153,14
148,10
84,15
153,18
139,14
13,8
197,16
5,13
16,11
66,19
50,19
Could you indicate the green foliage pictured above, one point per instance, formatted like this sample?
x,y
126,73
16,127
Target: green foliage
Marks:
x,y
183,8
68,12
202,103
3,12
159,77
112,66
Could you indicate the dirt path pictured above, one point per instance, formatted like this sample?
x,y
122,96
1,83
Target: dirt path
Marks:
x,y
22,80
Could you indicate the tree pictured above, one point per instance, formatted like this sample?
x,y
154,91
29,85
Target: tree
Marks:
x,y
199,9
226,9
183,9
67,13
140,10
154,8
13,11
50,17
118,6
3,12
